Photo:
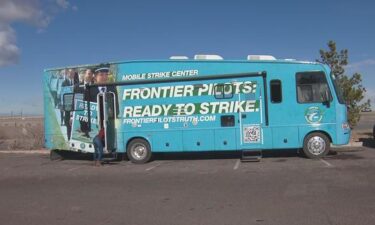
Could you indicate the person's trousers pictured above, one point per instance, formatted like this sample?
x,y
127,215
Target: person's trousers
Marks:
x,y
98,145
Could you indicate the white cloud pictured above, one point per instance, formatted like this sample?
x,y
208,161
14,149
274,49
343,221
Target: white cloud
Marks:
x,y
366,68
22,11
8,49
361,64
63,4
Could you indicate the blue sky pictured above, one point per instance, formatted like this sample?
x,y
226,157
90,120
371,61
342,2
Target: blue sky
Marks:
x,y
38,34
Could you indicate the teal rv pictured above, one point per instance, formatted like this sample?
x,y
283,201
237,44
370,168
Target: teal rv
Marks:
x,y
192,105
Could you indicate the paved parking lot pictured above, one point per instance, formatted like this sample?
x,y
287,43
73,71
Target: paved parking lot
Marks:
x,y
281,189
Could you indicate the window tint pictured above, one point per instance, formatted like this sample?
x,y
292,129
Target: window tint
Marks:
x,y
312,87
223,91
276,95
227,121
338,89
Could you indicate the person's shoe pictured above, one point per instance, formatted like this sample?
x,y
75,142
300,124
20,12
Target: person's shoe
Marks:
x,y
99,163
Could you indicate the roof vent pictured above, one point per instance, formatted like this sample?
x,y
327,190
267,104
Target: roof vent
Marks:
x,y
208,57
260,57
180,57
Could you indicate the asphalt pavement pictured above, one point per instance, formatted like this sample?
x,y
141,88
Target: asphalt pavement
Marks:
x,y
280,189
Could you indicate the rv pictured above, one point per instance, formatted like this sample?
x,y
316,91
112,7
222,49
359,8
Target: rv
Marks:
x,y
193,105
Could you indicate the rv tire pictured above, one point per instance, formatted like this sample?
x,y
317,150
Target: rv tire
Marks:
x,y
316,145
139,151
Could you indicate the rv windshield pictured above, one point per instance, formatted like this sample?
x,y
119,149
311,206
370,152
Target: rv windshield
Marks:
x,y
338,89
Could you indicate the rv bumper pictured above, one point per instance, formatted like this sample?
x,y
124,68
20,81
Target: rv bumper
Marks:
x,y
344,134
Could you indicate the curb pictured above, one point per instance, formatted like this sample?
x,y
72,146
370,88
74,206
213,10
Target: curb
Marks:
x,y
351,144
24,152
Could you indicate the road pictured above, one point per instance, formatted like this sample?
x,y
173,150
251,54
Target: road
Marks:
x,y
277,190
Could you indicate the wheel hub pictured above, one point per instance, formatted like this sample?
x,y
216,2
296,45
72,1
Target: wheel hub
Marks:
x,y
316,145
139,152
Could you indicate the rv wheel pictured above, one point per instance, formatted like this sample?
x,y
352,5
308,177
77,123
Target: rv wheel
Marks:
x,y
316,145
139,151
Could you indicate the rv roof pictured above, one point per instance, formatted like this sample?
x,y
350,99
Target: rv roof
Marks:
x,y
287,61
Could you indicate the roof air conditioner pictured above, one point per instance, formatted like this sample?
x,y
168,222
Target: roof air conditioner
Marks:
x,y
208,57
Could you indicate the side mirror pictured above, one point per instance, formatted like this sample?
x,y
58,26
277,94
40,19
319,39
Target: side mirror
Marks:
x,y
68,102
327,103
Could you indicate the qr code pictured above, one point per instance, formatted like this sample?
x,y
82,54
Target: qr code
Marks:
x,y
251,134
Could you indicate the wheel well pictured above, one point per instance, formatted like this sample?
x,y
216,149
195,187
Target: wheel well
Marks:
x,y
133,138
319,131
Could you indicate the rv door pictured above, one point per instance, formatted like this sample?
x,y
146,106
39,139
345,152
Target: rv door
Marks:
x,y
106,119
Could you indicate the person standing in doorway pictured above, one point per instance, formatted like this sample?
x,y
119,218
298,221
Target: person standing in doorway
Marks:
x,y
92,94
101,78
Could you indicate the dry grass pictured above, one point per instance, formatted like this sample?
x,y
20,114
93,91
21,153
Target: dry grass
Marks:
x,y
21,134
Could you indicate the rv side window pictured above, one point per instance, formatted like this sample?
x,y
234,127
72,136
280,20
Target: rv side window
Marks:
x,y
276,94
227,121
312,87
223,91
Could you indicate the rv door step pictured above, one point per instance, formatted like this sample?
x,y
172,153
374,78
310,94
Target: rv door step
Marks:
x,y
251,155
109,157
